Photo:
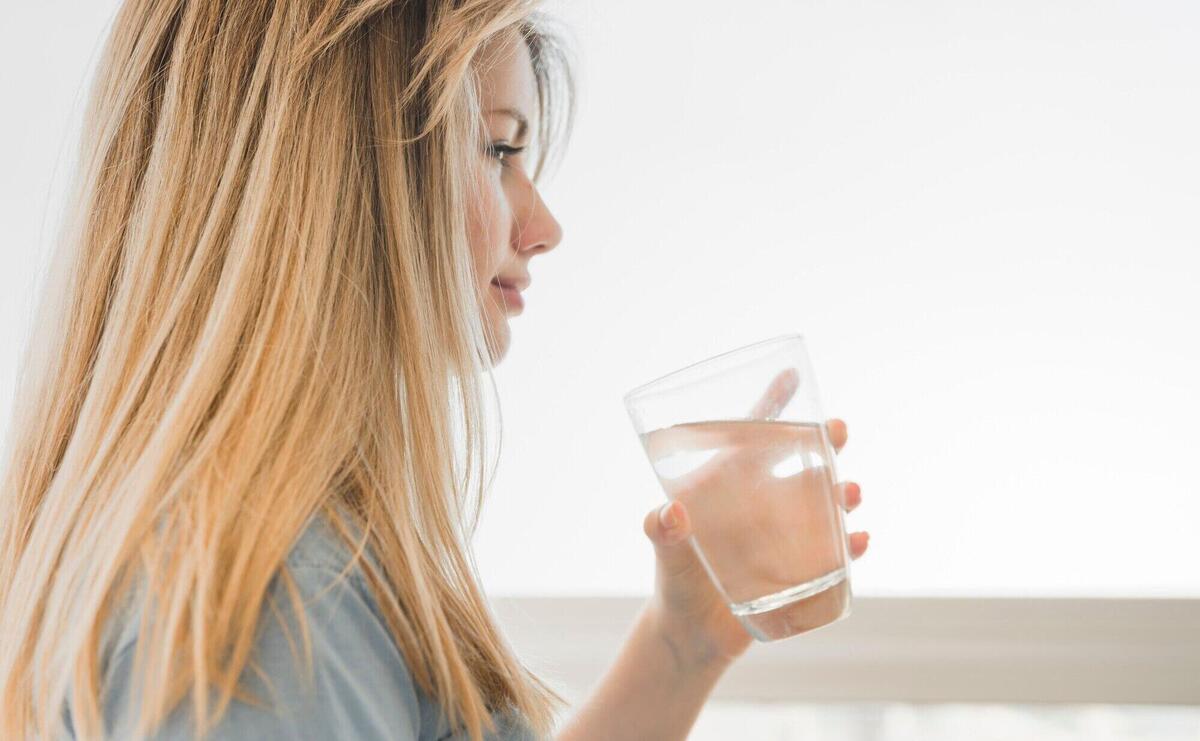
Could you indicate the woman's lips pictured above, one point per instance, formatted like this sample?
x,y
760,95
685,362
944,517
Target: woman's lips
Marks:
x,y
512,297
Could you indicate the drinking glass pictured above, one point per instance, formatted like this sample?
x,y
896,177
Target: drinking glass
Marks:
x,y
741,440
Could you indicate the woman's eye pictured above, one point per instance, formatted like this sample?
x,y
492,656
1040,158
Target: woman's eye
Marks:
x,y
502,152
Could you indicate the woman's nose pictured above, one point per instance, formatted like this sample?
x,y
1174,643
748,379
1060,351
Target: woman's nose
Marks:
x,y
537,229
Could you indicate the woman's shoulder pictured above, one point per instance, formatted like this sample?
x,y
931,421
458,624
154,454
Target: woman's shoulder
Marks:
x,y
316,560
360,686
320,547
318,555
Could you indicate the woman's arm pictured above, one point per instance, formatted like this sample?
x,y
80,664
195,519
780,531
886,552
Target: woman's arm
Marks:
x,y
654,690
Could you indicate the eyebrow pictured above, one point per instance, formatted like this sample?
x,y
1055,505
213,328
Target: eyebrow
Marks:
x,y
522,122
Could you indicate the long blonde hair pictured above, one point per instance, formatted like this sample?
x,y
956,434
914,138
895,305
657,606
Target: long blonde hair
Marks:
x,y
262,310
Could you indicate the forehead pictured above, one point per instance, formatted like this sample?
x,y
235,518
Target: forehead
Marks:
x,y
506,74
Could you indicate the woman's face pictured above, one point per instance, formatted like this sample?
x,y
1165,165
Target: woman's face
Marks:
x,y
511,224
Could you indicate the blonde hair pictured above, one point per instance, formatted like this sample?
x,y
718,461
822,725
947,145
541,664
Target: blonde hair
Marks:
x,y
262,310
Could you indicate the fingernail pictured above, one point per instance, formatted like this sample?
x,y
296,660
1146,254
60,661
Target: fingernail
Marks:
x,y
667,516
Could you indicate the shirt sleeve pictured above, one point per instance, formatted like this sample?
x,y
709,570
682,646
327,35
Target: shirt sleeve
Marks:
x,y
360,688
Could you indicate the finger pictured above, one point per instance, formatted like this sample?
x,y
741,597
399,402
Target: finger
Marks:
x,y
777,396
837,433
858,543
851,495
667,525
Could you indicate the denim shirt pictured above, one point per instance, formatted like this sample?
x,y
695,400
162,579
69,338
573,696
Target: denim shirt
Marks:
x,y
361,687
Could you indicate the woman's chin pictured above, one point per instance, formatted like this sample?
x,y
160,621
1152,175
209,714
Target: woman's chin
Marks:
x,y
499,340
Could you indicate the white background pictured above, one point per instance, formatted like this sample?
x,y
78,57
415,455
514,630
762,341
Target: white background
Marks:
x,y
983,217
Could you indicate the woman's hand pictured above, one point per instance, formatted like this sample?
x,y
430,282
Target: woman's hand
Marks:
x,y
691,614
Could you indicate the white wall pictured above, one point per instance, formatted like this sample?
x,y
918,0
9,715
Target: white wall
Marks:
x,y
981,215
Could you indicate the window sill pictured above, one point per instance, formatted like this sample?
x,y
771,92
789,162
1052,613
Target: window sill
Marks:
x,y
909,649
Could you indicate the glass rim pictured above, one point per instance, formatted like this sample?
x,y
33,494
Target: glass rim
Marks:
x,y
643,388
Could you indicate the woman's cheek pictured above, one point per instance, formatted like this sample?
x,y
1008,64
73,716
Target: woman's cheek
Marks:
x,y
487,230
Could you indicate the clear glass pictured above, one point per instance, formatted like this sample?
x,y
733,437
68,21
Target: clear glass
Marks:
x,y
740,438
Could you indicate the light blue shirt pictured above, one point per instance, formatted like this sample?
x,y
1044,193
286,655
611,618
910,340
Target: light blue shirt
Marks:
x,y
361,687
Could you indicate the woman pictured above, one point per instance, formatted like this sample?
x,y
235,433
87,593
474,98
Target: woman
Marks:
x,y
237,494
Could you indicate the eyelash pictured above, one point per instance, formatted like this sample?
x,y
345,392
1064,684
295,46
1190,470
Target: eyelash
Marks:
x,y
502,151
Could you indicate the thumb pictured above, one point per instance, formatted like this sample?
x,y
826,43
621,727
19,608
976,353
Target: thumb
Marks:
x,y
668,528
